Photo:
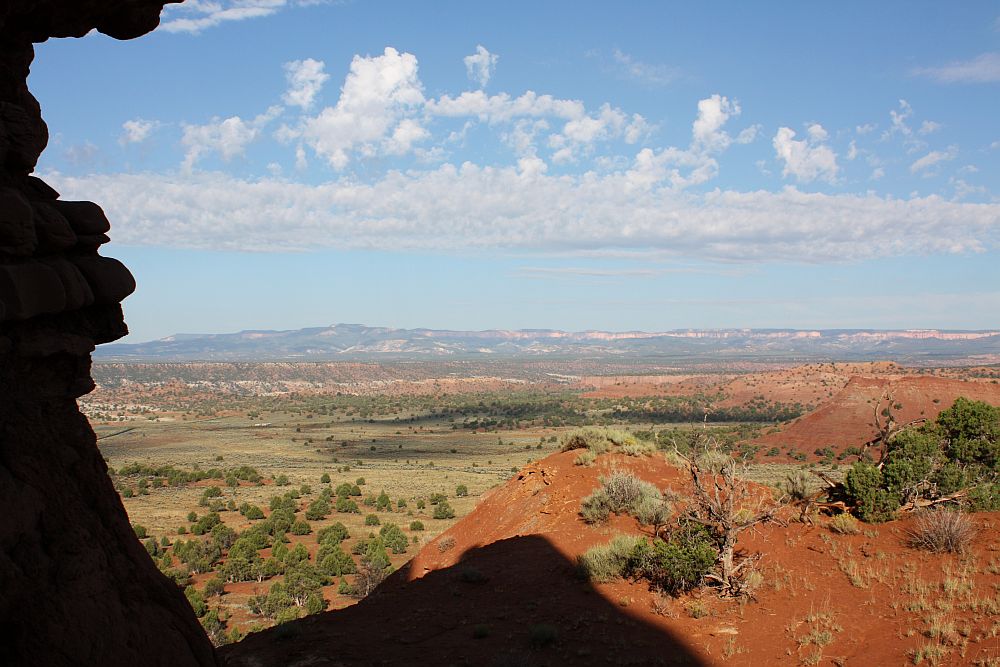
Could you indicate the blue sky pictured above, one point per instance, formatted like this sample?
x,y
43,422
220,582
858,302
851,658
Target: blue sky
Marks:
x,y
290,163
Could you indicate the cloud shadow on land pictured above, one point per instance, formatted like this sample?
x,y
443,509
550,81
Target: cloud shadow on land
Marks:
x,y
514,602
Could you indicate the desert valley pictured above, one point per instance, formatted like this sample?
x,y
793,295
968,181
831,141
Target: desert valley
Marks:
x,y
445,501
678,336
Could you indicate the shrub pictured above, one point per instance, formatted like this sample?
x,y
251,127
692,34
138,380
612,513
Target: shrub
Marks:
x,y
416,525
942,531
393,538
333,561
627,492
461,490
606,562
140,530
215,586
598,440
959,450
360,481
324,478
446,544
301,528
346,506
371,520
844,524
872,501
368,580
585,458
443,510
621,493
678,564
639,449
796,485
345,588
595,508
196,600
281,480
383,503
335,533
318,509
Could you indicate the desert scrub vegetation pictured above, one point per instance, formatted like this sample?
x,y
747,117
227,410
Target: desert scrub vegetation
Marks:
x,y
725,505
607,562
585,458
954,458
603,440
621,493
844,524
942,531
674,566
678,564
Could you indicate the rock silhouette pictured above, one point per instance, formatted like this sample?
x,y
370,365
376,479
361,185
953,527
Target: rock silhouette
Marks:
x,y
76,587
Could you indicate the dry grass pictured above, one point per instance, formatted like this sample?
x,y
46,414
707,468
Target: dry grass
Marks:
x,y
820,630
844,524
942,531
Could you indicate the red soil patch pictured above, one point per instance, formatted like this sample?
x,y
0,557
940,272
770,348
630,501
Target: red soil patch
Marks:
x,y
499,588
848,419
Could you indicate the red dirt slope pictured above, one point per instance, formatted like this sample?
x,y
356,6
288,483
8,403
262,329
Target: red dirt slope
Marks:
x,y
499,588
848,418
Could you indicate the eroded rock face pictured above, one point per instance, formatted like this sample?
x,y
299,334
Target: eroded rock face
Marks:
x,y
76,587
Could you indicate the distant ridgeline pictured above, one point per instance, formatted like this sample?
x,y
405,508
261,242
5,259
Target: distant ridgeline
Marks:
x,y
358,342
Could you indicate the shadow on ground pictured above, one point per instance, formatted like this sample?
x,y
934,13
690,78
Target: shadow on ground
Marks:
x,y
514,602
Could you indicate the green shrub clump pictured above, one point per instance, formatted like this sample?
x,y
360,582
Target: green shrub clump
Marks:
x,y
959,451
678,564
443,510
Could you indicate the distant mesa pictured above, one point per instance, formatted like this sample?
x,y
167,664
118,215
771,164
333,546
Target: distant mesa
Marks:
x,y
356,341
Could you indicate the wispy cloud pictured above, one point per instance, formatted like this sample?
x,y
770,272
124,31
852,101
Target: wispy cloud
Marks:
x,y
984,68
194,16
933,158
549,272
648,74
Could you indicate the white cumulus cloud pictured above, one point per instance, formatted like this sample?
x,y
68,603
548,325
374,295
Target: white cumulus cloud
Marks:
x,y
305,80
228,137
378,94
806,159
480,65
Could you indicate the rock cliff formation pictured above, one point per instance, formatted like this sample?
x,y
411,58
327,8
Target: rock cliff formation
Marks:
x,y
76,587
